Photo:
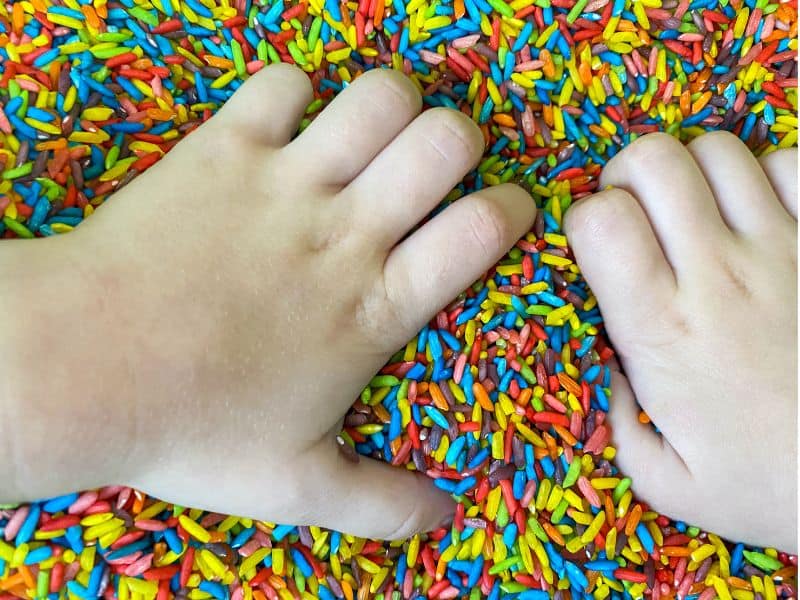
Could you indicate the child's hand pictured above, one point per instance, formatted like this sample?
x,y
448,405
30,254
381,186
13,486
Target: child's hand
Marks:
x,y
247,288
693,261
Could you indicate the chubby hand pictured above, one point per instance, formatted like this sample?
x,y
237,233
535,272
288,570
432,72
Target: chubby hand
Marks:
x,y
693,258
251,286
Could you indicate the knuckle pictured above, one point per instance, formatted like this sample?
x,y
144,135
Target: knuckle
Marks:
x,y
488,227
410,525
453,135
596,217
648,152
401,87
388,92
222,145
451,117
367,310
379,315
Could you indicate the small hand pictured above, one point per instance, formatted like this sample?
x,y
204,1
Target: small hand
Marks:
x,y
693,258
255,284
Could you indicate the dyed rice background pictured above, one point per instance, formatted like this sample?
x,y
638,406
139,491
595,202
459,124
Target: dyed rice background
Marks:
x,y
502,397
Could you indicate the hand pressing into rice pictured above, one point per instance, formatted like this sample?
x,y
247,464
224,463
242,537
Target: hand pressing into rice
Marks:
x,y
237,298
692,256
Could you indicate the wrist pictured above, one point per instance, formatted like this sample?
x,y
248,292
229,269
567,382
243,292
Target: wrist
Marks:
x,y
61,428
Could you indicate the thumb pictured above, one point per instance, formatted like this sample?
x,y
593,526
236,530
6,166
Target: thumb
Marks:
x,y
660,476
372,499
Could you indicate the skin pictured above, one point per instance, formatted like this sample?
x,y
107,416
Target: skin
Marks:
x,y
693,259
235,314
229,319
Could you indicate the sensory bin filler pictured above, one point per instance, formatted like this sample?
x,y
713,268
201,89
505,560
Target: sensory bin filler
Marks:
x,y
558,86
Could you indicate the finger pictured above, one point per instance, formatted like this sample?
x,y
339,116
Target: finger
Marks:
x,y
662,479
640,448
744,195
662,175
439,261
269,105
373,499
413,173
619,255
781,170
358,124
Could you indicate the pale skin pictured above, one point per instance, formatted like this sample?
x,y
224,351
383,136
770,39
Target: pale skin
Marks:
x,y
203,334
